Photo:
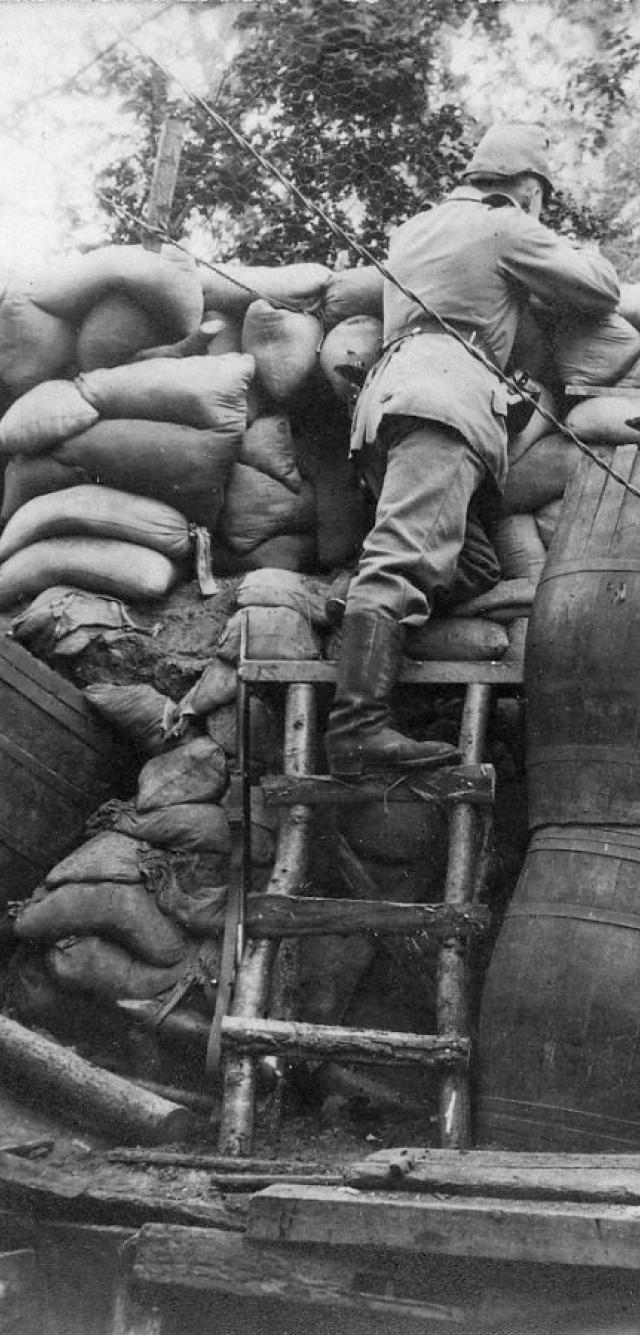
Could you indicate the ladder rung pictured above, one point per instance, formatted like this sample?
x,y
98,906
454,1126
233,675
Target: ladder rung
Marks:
x,y
451,783
258,1037
314,672
285,915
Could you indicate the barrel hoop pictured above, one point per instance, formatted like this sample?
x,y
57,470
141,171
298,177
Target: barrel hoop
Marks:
x,y
604,848
518,1114
32,765
71,716
576,913
613,755
605,565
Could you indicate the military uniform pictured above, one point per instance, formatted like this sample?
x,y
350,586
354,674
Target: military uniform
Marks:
x,y
438,412
437,416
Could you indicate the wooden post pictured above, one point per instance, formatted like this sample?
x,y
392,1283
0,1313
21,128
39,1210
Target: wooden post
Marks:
x,y
252,984
163,182
455,1110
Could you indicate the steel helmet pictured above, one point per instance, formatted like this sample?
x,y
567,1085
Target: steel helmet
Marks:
x,y
510,149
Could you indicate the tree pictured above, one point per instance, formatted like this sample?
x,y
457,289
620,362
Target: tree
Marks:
x,y
352,100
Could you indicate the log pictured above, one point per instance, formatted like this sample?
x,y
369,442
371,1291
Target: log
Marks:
x,y
474,784
88,1093
221,1163
312,1041
268,916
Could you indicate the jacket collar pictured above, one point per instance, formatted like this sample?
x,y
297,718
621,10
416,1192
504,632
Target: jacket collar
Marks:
x,y
472,195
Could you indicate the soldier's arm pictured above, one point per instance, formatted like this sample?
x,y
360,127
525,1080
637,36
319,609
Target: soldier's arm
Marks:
x,y
554,270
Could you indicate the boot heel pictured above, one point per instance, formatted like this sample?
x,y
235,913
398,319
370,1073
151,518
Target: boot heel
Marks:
x,y
345,761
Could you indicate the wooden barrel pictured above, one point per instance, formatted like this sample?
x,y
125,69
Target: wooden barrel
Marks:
x,y
58,762
582,661
559,1046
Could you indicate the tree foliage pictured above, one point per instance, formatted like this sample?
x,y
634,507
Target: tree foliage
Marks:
x,y
352,101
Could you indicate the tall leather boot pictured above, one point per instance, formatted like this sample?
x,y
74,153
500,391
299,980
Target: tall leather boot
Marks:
x,y
361,735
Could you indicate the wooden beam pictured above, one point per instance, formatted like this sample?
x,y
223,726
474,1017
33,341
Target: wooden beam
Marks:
x,y
612,1178
548,1232
207,1259
22,1296
312,1041
163,181
267,671
474,784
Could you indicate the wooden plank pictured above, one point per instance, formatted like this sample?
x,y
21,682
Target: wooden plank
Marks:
x,y
266,671
196,1258
533,1176
296,1038
474,784
163,181
537,1232
51,1191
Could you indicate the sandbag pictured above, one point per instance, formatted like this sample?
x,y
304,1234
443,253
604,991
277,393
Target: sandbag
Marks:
x,y
224,332
268,446
532,349
278,588
113,331
193,391
541,474
457,639
287,551
353,292
272,632
596,352
34,345
396,831
107,857
164,283
509,599
603,421
520,548
299,285
547,520
63,620
284,345
193,772
256,507
108,971
138,711
44,416
180,465
265,734
125,913
36,475
536,427
190,825
629,303
184,882
98,512
217,686
111,567
355,343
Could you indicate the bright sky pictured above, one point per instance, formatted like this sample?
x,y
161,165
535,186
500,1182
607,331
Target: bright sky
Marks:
x,y
49,151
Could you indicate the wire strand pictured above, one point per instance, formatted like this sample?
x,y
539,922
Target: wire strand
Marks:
x,y
316,209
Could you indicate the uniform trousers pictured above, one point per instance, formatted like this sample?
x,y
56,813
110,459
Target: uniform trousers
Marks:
x,y
424,475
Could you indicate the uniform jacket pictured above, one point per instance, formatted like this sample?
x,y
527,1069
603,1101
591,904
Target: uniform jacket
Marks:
x,y
475,259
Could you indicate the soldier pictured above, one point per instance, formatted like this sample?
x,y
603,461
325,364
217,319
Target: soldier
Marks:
x,y
437,414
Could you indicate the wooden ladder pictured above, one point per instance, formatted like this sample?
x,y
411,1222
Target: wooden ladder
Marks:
x,y
467,791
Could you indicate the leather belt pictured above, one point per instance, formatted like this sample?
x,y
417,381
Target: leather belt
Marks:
x,y
468,332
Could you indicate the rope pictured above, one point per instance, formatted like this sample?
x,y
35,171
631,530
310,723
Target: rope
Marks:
x,y
362,251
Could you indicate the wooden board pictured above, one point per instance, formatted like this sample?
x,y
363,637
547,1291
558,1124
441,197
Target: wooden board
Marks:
x,y
420,674
207,1259
474,784
568,1234
598,1177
